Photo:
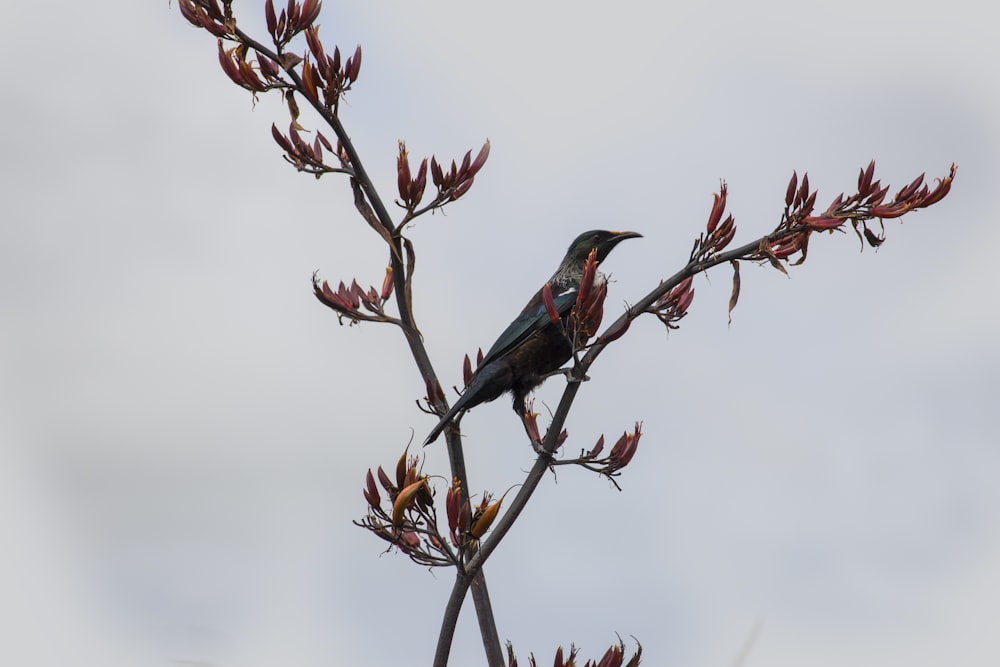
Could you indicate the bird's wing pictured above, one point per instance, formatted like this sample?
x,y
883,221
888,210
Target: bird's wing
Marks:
x,y
533,318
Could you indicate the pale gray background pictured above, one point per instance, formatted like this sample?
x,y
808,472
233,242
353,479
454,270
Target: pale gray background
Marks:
x,y
185,430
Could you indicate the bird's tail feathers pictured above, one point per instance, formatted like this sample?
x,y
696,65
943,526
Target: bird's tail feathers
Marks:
x,y
488,383
449,416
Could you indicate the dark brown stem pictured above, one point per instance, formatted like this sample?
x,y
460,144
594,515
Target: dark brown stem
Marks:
x,y
487,626
487,622
450,620
506,521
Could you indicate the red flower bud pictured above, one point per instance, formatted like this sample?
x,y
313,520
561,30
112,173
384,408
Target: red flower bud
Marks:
x,y
598,447
384,480
718,207
408,541
231,69
353,66
280,139
467,370
462,188
803,192
550,304
684,301
371,491
865,179
268,67
910,189
436,174
823,223
310,12
480,160
615,333
790,192
451,503
272,21
531,423
403,176
315,46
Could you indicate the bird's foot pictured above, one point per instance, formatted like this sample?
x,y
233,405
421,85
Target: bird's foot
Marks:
x,y
573,374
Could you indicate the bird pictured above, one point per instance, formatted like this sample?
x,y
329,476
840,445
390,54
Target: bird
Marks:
x,y
533,346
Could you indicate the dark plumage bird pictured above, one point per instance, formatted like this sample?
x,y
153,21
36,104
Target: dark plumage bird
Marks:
x,y
532,347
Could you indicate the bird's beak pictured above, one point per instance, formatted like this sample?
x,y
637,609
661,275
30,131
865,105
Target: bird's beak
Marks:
x,y
621,236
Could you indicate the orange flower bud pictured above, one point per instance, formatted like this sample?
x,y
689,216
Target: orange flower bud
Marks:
x,y
485,519
404,500
401,470
387,283
942,189
309,81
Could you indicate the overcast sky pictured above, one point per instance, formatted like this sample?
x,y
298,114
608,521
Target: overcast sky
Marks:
x,y
184,430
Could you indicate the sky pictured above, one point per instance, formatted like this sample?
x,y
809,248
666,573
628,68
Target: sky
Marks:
x,y
184,430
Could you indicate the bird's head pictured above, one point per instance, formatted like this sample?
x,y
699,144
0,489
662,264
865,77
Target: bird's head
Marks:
x,y
601,240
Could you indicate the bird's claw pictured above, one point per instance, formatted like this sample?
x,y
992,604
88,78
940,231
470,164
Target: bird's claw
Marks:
x,y
571,373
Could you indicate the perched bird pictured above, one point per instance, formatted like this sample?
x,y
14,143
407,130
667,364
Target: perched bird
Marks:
x,y
533,346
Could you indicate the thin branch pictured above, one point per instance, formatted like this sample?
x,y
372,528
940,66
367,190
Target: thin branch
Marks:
x,y
449,621
797,223
402,286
